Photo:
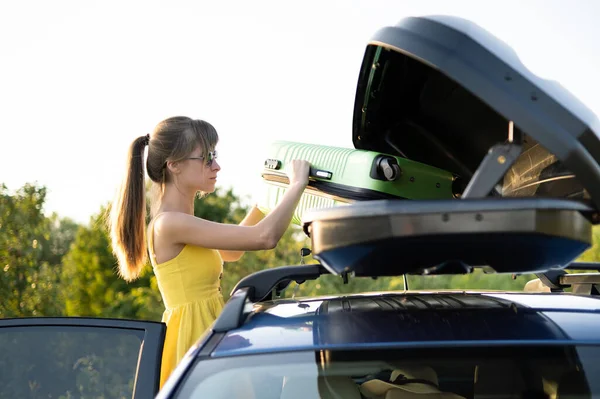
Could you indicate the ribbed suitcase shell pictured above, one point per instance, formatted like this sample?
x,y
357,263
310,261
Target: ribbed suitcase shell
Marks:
x,y
351,178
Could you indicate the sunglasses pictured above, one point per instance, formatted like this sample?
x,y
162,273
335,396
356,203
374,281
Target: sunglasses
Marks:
x,y
210,158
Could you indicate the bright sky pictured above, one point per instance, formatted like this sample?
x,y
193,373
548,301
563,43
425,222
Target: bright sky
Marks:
x,y
79,80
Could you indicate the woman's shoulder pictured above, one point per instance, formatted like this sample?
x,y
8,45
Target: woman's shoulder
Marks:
x,y
167,220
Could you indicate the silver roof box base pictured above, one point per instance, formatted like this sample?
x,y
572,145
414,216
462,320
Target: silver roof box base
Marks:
x,y
394,237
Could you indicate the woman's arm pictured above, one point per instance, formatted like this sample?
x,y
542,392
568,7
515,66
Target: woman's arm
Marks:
x,y
181,228
251,219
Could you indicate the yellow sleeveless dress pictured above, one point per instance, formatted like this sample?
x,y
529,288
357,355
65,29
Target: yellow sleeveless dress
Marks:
x,y
190,286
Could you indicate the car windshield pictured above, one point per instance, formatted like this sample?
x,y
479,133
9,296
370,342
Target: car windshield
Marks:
x,y
473,372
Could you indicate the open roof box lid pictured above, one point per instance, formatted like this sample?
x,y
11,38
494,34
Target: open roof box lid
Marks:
x,y
444,92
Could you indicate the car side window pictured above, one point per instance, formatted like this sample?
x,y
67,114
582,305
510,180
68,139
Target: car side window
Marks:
x,y
68,361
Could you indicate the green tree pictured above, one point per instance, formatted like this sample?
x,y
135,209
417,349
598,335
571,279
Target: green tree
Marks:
x,y
287,252
30,253
226,207
220,206
62,235
91,285
593,254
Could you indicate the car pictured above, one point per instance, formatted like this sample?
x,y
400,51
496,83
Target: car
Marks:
x,y
445,93
465,344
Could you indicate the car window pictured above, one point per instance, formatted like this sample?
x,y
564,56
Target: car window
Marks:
x,y
68,362
473,372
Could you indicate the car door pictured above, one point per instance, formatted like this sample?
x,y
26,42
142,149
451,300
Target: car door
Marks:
x,y
79,357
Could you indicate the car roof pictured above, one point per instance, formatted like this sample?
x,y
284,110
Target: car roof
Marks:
x,y
414,319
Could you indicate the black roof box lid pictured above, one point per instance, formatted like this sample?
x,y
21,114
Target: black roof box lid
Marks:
x,y
443,91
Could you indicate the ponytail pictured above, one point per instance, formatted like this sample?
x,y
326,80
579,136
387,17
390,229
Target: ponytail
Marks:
x,y
127,219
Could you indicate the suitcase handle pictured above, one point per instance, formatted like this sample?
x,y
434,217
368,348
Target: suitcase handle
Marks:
x,y
319,173
275,164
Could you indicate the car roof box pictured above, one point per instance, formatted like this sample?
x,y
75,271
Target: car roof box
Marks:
x,y
391,237
443,91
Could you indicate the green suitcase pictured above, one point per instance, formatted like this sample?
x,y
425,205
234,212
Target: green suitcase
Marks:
x,y
342,175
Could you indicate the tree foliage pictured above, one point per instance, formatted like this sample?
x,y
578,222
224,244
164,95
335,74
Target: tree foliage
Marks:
x,y
593,254
31,248
96,289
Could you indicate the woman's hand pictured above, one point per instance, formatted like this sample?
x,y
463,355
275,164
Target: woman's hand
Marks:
x,y
298,172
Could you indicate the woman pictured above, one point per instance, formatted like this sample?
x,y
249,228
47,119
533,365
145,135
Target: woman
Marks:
x,y
187,252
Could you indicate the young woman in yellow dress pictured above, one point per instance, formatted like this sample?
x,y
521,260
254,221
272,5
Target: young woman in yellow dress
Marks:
x,y
187,252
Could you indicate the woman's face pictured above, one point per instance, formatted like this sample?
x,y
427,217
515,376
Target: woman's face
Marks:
x,y
197,173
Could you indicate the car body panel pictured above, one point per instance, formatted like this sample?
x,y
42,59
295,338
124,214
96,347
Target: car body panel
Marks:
x,y
414,320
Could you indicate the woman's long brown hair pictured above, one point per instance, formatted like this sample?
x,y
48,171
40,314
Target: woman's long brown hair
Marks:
x,y
172,140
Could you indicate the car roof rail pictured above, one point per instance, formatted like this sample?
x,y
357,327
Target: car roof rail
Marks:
x,y
580,283
269,283
260,286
